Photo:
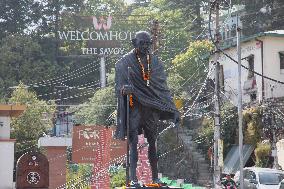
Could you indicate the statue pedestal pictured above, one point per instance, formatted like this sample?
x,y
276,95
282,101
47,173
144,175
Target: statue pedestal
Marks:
x,y
163,187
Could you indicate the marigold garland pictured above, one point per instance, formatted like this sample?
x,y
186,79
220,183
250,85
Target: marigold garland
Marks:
x,y
146,76
131,104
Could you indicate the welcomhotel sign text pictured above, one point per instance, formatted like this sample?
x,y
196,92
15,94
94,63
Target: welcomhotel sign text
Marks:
x,y
94,35
100,40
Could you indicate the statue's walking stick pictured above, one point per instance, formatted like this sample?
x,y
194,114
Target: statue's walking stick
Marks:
x,y
127,131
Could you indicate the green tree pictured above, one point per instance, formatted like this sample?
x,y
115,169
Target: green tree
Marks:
x,y
117,178
100,107
35,121
78,172
175,26
253,125
193,61
15,16
262,15
262,153
21,59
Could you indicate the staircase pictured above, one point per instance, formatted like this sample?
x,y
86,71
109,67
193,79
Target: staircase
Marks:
x,y
201,167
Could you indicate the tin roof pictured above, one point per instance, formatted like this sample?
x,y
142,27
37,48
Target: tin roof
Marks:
x,y
274,33
232,160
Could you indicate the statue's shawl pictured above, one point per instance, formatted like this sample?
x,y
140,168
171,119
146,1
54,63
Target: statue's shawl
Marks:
x,y
157,95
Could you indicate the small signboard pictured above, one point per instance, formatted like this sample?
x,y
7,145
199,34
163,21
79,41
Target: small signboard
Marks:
x,y
87,144
32,171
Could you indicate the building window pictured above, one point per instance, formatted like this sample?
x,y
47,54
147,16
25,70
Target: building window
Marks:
x,y
281,56
253,97
251,66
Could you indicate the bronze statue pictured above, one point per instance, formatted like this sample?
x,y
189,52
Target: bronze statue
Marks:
x,y
141,75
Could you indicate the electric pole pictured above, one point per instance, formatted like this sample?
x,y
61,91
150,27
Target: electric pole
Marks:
x,y
155,31
103,71
217,168
56,28
240,108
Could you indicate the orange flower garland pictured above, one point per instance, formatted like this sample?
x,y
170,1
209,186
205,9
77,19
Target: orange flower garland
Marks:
x,y
146,76
131,104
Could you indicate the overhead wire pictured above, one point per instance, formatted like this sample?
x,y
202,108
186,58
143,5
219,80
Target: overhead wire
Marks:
x,y
228,56
64,77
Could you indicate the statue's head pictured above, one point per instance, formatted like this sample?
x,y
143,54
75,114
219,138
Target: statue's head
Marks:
x,y
142,42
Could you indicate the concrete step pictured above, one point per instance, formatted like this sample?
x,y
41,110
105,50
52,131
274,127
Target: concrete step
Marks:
x,y
203,171
203,166
199,160
191,143
204,182
197,154
203,174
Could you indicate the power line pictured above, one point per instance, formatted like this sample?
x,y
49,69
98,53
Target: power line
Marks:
x,y
63,76
220,50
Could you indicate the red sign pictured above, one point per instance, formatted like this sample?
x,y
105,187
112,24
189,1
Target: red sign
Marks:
x,y
86,141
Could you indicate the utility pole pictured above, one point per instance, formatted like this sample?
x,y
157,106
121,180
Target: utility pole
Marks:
x,y
217,169
240,108
155,31
274,127
103,71
56,28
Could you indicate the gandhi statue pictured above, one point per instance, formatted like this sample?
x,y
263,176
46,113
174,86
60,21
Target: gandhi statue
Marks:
x,y
150,100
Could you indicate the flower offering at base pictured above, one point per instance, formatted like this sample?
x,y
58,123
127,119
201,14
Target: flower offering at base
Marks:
x,y
150,187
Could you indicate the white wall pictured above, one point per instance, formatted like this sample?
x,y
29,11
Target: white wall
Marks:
x,y
6,164
5,129
231,69
272,45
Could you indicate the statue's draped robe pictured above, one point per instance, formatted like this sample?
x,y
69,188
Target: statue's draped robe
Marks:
x,y
157,95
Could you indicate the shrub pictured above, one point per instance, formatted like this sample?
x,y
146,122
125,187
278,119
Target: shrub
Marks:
x,y
262,154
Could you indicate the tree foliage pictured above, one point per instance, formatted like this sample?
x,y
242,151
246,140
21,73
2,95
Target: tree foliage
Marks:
x,y
99,108
33,123
262,153
81,171
193,63
118,178
253,126
262,15
21,59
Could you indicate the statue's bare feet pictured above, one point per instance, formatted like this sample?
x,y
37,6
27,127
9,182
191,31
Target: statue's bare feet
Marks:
x,y
158,181
134,183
